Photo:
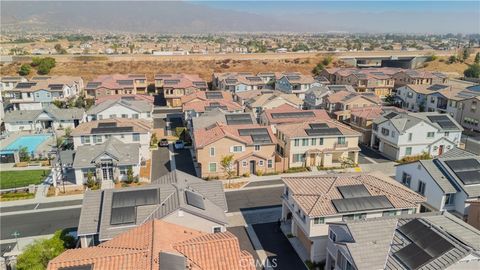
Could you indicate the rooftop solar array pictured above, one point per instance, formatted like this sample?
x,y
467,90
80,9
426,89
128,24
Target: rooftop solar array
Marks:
x,y
361,203
467,94
55,86
170,261
215,106
125,82
425,246
467,170
254,79
231,81
128,98
323,132
213,95
171,81
138,76
390,115
437,87
293,115
25,85
194,199
443,121
318,125
238,119
258,135
103,130
293,77
123,215
261,139
107,124
353,191
79,267
124,204
200,84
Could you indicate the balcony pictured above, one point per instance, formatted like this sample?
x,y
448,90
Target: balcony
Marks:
x,y
343,145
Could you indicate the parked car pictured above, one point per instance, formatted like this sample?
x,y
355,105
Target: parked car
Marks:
x,y
179,144
163,143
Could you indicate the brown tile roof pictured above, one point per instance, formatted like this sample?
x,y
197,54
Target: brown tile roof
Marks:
x,y
201,106
139,249
147,98
182,80
263,99
47,81
253,93
299,78
347,97
201,95
366,73
115,81
314,194
139,125
373,112
206,136
294,130
285,108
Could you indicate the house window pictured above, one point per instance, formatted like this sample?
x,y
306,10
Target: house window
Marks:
x,y
97,139
385,131
406,179
347,217
212,167
135,116
304,142
260,163
421,187
341,140
244,163
332,236
450,199
321,141
389,213
314,141
113,116
212,151
136,137
393,133
270,163
124,115
410,137
447,133
217,229
360,216
257,147
100,117
319,220
237,148
408,151
298,158
430,134
85,139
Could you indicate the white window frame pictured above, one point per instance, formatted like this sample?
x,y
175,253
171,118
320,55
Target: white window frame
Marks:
x,y
210,151
269,163
244,163
210,168
256,147
260,163
216,227
233,149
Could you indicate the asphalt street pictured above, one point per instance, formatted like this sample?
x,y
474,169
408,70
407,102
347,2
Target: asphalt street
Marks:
x,y
39,206
160,162
253,198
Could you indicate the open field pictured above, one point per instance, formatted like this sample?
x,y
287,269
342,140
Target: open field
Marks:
x,y
13,179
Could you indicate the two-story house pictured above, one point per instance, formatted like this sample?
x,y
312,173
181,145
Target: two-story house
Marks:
x,y
419,241
295,83
199,102
252,147
286,113
174,86
46,118
116,84
418,77
340,104
40,92
310,203
469,115
267,101
8,83
121,108
449,181
325,143
397,135
315,98
238,82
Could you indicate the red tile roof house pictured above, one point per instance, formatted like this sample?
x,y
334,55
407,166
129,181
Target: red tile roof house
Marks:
x,y
199,102
174,86
340,103
288,114
160,245
116,84
252,146
146,98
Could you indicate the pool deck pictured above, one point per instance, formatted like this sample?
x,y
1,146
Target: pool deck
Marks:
x,y
42,148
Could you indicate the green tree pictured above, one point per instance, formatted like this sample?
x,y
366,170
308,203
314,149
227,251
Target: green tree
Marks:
x,y
477,58
24,70
327,60
23,154
465,54
153,140
59,49
227,166
91,183
130,177
38,254
318,69
452,59
473,71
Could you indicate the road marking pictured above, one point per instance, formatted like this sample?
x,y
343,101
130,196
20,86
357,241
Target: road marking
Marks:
x,y
36,206
51,209
369,159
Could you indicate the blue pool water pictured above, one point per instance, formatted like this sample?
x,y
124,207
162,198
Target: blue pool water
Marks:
x,y
30,141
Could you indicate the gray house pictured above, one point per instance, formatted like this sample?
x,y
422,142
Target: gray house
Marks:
x,y
177,198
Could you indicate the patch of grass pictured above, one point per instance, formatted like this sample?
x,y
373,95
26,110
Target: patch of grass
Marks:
x,y
16,196
296,169
14,179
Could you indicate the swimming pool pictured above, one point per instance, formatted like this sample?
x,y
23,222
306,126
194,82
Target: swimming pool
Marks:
x,y
29,141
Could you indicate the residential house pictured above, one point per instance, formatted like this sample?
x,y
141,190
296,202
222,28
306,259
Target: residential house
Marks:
x,y
177,198
40,92
444,241
199,102
157,244
449,181
146,98
49,117
175,86
286,113
116,84
219,116
239,82
252,147
361,119
324,143
398,135
8,83
125,130
121,108
315,98
340,104
310,203
268,101
418,77
474,214
269,78
469,115
242,97
295,83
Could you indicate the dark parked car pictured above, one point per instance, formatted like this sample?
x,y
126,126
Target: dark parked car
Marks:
x,y
163,143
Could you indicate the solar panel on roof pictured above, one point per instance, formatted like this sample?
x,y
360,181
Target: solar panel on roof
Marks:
x,y
252,131
107,124
293,77
194,199
436,87
435,118
125,82
443,121
323,131
261,138
361,203
55,86
390,115
238,119
170,261
213,95
78,267
24,85
412,256
353,191
213,107
171,81
134,198
467,170
254,79
101,130
128,98
293,115
123,215
93,84
318,125
199,84
231,81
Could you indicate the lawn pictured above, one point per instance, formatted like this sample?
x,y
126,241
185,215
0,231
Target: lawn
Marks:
x,y
12,179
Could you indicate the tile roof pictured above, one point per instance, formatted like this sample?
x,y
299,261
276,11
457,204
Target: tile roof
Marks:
x,y
206,105
140,247
297,130
139,125
46,83
202,95
206,136
146,98
115,81
347,97
181,80
136,105
286,108
52,111
314,194
373,112
216,116
264,99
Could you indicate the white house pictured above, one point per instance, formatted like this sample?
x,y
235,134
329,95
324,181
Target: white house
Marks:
x,y
8,83
46,118
121,108
123,129
397,135
309,203
449,181
295,83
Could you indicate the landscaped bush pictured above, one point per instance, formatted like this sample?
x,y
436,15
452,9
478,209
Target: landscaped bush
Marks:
x,y
296,169
409,159
12,196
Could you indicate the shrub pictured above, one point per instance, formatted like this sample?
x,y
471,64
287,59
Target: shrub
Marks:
x,y
296,169
408,159
472,71
153,140
247,174
38,254
24,70
259,172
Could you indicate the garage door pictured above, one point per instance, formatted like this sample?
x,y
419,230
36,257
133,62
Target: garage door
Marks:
x,y
389,151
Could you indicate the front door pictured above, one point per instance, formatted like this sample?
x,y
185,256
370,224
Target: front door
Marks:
x,y
440,150
312,159
252,166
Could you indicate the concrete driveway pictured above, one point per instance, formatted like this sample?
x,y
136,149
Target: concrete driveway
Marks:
x,y
279,250
372,155
253,198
